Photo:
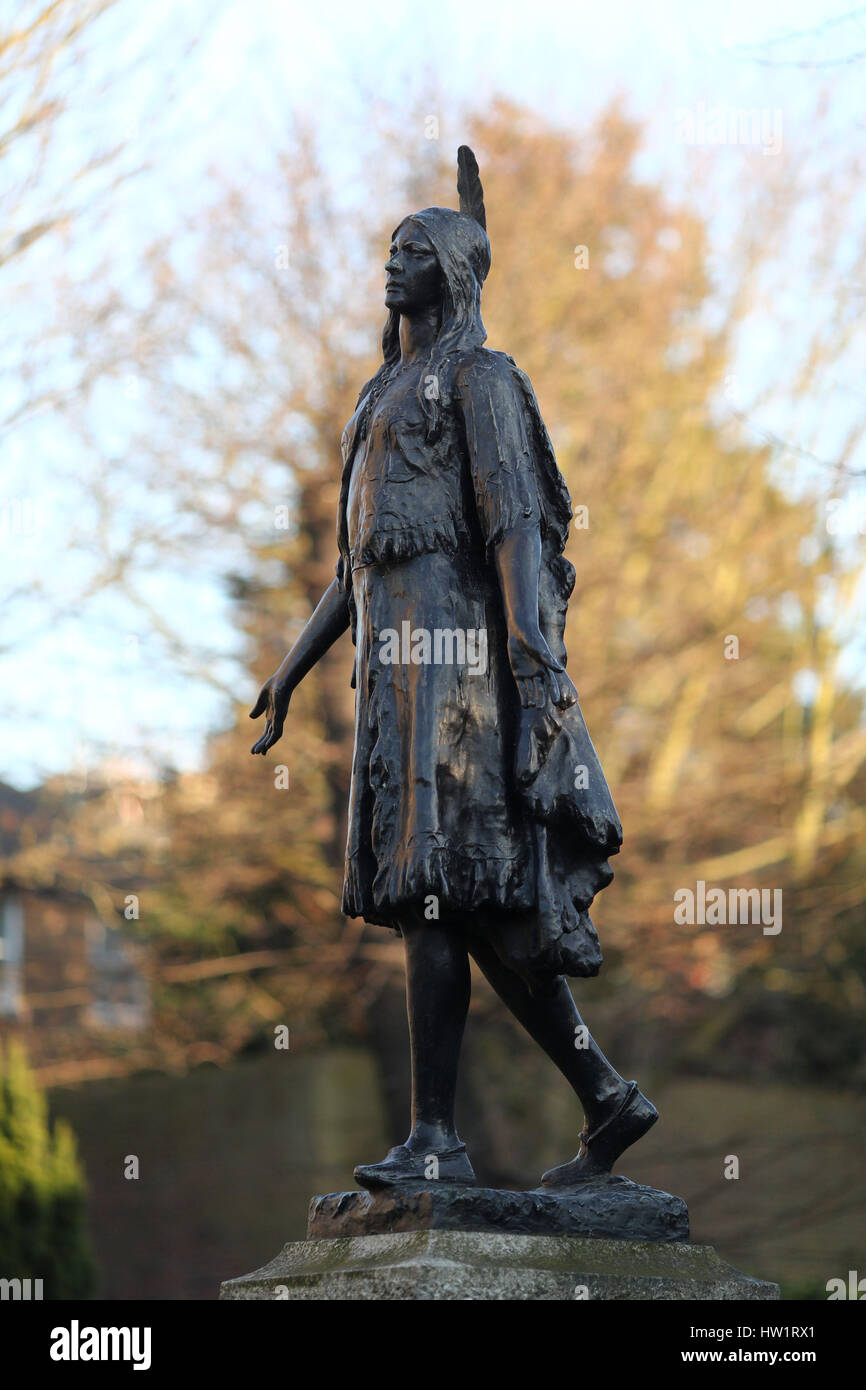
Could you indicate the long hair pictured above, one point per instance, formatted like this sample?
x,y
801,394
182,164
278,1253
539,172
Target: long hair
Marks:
x,y
463,251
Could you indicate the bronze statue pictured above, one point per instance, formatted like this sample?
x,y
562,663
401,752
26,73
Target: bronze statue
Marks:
x,y
480,822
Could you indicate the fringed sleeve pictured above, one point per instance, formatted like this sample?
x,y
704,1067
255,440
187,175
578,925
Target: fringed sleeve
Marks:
x,y
498,446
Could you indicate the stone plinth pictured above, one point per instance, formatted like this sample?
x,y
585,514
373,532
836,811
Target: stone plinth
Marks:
x,y
464,1265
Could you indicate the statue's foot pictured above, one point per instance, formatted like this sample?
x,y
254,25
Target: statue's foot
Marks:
x,y
601,1147
403,1166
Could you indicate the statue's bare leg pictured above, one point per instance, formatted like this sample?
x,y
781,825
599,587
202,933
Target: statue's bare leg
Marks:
x,y
437,997
616,1114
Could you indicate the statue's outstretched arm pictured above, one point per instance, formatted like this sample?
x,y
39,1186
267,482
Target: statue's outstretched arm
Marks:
x,y
329,621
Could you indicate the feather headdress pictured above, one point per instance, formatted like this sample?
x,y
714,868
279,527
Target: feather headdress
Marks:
x,y
469,186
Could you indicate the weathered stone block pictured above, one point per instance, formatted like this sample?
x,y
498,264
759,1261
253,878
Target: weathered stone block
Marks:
x,y
464,1265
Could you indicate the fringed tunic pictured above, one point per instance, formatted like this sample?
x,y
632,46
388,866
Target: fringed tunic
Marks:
x,y
440,817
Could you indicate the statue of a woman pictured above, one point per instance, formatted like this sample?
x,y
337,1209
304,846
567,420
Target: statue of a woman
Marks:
x,y
480,822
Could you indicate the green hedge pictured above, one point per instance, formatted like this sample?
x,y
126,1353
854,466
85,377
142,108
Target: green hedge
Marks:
x,y
42,1224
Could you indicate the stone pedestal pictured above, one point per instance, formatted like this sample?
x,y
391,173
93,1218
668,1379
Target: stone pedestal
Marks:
x,y
471,1265
612,1239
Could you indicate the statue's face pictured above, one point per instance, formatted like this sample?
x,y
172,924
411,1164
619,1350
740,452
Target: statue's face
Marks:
x,y
413,277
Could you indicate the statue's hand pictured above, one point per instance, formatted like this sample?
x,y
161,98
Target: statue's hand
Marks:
x,y
540,677
536,734
273,702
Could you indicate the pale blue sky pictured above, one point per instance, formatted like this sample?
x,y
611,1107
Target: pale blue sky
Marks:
x,y
86,684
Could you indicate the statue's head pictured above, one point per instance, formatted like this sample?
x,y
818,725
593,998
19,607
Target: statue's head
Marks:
x,y
439,257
